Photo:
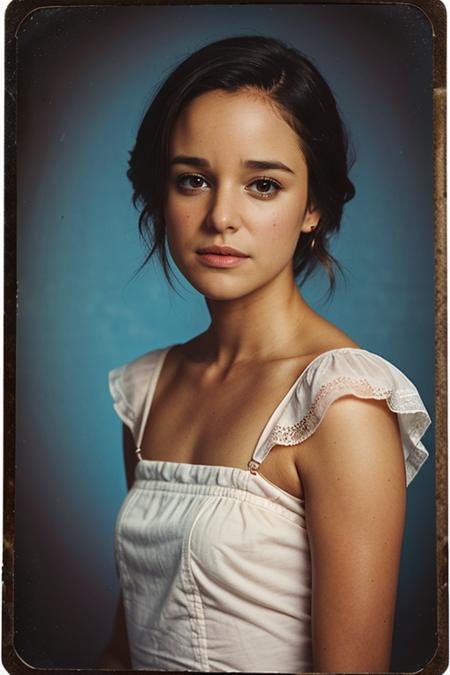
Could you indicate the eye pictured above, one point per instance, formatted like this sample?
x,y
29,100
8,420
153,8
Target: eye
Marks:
x,y
191,182
264,187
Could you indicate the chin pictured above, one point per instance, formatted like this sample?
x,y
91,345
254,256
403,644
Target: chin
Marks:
x,y
214,284
221,289
221,294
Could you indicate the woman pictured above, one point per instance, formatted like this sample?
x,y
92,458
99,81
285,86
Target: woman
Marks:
x,y
263,527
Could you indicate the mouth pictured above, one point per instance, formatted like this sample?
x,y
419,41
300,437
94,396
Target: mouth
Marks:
x,y
221,256
223,251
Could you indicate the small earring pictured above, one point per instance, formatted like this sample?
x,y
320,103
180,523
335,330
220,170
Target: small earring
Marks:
x,y
312,228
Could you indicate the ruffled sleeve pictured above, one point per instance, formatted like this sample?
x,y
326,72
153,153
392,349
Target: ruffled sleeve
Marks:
x,y
364,375
132,387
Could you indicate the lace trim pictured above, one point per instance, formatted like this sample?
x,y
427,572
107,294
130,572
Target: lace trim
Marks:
x,y
405,402
297,433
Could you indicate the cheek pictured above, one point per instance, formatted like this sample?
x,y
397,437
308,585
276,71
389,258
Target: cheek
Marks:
x,y
179,214
283,230
182,227
286,224
177,219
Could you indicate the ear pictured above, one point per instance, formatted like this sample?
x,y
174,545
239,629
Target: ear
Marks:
x,y
311,219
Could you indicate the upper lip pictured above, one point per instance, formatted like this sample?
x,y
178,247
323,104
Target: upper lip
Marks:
x,y
223,250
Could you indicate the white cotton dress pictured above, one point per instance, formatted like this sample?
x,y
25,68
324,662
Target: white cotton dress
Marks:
x,y
214,562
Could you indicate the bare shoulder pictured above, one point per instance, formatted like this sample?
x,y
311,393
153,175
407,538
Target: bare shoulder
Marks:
x,y
192,351
356,444
324,336
176,360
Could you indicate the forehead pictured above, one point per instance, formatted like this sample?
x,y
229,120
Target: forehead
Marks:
x,y
247,119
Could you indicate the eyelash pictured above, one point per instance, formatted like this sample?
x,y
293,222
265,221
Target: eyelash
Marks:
x,y
273,183
259,195
179,180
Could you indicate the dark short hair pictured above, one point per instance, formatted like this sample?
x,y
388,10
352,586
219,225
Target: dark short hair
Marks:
x,y
305,101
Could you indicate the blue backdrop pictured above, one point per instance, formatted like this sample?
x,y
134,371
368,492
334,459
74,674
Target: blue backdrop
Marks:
x,y
84,78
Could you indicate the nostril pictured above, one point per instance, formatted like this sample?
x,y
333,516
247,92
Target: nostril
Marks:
x,y
223,216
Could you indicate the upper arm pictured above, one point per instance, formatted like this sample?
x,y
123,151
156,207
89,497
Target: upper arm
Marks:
x,y
353,474
117,653
129,455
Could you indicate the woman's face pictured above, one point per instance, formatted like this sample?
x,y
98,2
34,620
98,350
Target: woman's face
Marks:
x,y
237,196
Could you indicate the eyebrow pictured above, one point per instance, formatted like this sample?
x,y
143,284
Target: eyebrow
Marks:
x,y
191,161
249,164
252,164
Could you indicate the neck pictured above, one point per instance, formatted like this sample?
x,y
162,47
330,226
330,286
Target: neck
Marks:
x,y
265,324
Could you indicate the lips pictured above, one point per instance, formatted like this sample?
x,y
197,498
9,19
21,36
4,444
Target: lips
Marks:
x,y
222,257
222,250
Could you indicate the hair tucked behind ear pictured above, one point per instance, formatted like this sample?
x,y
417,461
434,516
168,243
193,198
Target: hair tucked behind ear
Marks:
x,y
304,99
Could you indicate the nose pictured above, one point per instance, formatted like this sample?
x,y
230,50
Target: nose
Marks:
x,y
223,213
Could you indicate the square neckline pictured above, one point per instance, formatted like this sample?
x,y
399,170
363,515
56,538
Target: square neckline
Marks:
x,y
267,429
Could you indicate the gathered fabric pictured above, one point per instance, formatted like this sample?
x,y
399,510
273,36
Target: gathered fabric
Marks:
x,y
214,562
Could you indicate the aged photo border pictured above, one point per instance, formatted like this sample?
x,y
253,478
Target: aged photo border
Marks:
x,y
16,13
